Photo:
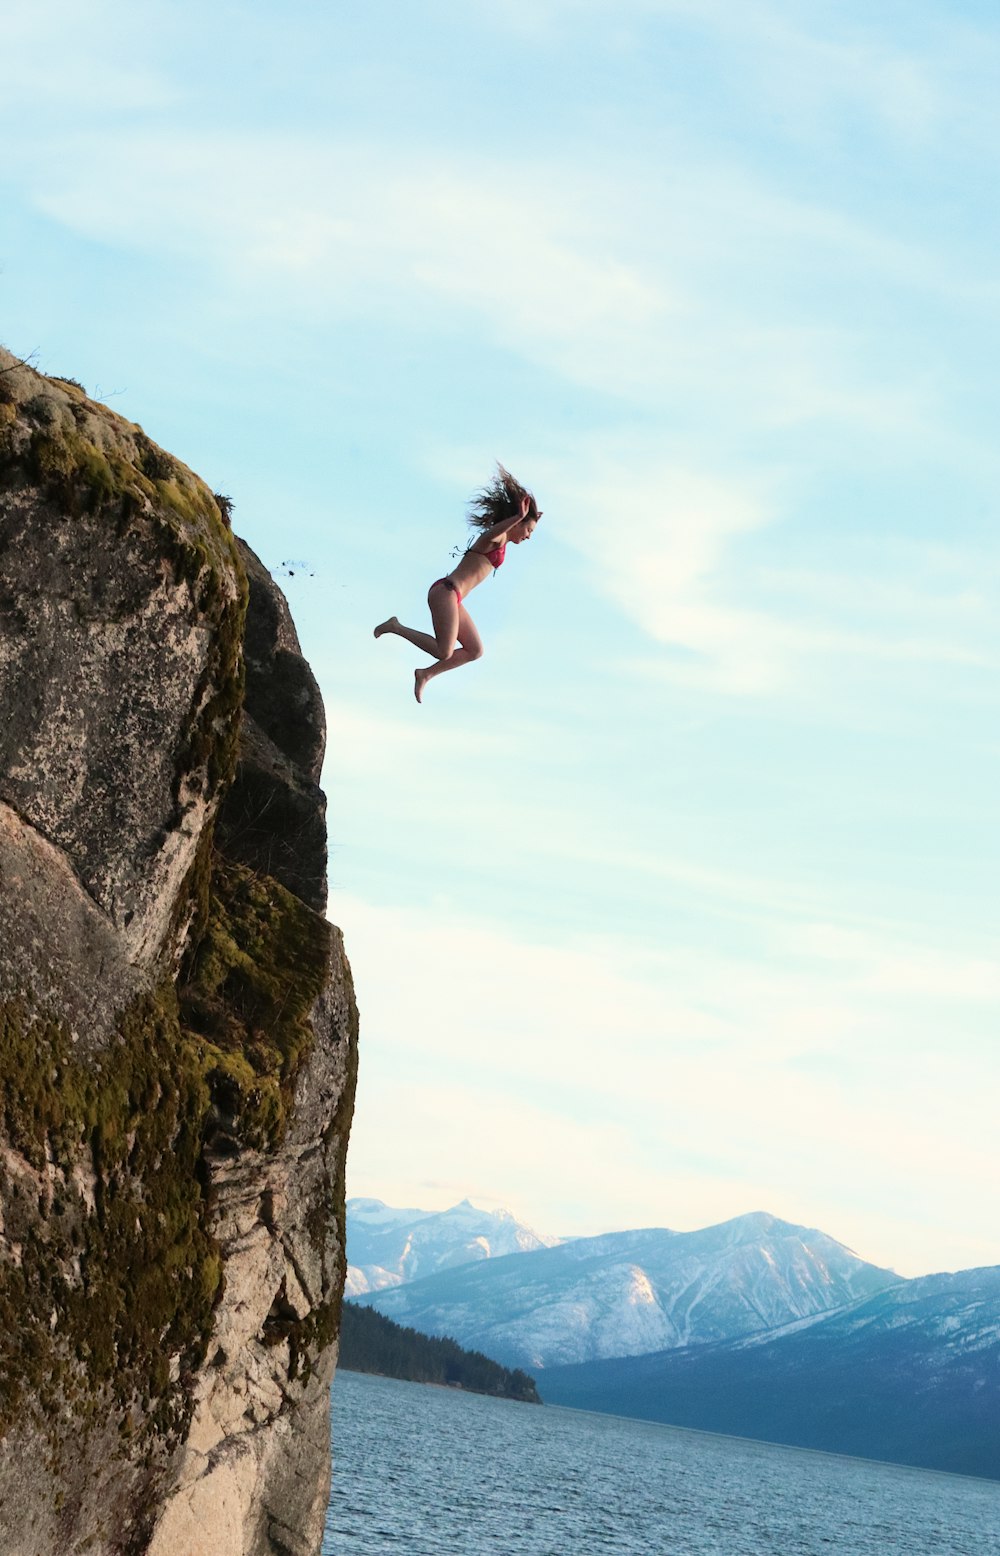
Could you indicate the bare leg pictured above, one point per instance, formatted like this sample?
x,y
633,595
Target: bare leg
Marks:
x,y
445,615
461,656
422,640
472,648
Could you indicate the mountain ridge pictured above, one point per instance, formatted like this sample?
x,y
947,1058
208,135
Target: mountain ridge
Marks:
x,y
389,1247
632,1292
910,1374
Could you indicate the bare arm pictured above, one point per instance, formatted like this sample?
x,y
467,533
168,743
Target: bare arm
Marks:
x,y
504,526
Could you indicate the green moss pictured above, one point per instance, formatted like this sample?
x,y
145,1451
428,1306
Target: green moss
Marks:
x,y
310,1336
103,1297
154,461
72,386
259,968
81,476
87,460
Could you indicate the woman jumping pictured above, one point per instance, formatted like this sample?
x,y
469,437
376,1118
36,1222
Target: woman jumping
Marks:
x,y
503,511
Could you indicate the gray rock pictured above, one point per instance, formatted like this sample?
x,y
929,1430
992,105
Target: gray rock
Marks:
x,y
257,1454
282,695
177,1023
56,942
114,607
274,815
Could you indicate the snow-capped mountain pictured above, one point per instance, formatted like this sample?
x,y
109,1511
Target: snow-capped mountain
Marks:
x,y
911,1374
386,1246
628,1293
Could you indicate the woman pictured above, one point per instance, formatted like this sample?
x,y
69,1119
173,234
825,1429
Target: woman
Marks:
x,y
503,511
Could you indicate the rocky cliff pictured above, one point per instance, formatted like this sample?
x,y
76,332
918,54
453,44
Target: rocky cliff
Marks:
x,y
177,1023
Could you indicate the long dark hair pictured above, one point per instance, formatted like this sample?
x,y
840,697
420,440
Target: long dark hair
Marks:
x,y
500,500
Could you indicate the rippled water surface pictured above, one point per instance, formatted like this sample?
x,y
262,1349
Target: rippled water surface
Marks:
x,y
433,1472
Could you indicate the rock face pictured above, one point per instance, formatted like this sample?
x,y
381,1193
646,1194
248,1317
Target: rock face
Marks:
x,y
177,1023
273,817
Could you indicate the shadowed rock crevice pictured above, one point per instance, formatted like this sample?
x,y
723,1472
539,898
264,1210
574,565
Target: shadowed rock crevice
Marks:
x,y
274,815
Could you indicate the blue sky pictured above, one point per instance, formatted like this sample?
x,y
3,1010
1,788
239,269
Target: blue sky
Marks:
x,y
682,902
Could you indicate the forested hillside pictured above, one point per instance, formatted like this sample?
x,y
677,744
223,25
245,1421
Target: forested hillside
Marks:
x,y
371,1343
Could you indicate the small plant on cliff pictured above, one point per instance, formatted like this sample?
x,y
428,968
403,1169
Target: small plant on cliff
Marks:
x,y
225,506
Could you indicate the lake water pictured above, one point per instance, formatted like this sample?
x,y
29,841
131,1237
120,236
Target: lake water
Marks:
x,y
433,1472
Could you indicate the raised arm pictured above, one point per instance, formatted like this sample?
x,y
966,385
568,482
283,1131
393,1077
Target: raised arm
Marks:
x,y
499,530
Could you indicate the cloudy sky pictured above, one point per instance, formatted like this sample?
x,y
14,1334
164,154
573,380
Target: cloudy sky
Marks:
x,y
683,901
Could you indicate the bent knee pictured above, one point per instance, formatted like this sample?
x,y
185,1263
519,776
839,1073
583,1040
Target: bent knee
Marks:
x,y
475,653
446,648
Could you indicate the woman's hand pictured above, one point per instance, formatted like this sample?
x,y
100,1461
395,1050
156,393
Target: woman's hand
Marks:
x,y
502,528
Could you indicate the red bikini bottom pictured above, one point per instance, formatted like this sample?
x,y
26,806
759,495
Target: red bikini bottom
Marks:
x,y
449,583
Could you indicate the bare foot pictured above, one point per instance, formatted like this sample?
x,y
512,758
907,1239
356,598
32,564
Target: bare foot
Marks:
x,y
419,681
387,626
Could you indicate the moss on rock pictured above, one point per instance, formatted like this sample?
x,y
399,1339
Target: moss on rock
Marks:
x,y
117,1277
258,970
108,1293
86,459
115,1273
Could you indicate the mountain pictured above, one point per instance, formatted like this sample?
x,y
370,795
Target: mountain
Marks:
x,y
386,1246
626,1293
911,1374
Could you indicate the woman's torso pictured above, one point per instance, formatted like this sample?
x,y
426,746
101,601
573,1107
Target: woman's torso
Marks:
x,y
476,565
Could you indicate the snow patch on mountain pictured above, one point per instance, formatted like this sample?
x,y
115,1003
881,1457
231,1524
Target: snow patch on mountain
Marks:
x,y
386,1247
628,1293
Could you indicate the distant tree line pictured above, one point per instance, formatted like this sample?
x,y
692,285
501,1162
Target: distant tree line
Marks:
x,y
369,1342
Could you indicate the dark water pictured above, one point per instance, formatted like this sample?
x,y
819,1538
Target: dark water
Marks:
x,y
432,1472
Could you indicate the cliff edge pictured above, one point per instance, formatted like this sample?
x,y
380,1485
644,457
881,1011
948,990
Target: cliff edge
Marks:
x,y
178,1032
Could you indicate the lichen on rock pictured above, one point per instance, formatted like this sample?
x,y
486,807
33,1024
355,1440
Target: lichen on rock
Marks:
x,y
177,1024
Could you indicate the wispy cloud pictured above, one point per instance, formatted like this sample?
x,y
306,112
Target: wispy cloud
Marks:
x,y
606,289
73,61
668,543
656,537
356,224
606,1057
619,282
808,66
727,290
838,62
895,966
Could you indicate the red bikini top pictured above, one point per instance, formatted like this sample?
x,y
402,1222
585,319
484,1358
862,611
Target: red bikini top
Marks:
x,y
494,557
